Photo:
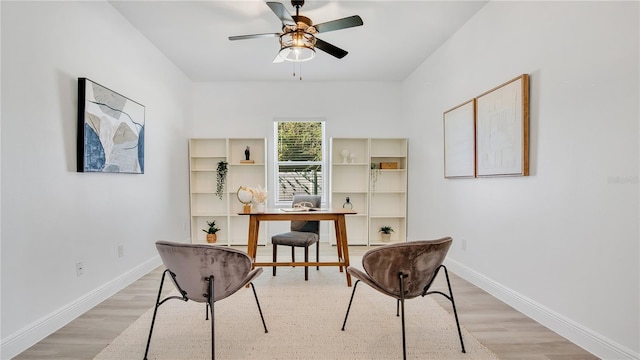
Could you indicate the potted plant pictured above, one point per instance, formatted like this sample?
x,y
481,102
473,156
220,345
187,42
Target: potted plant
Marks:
x,y
221,177
211,231
385,233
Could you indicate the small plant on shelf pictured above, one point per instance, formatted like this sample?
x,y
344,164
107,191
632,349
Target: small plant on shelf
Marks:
x,y
211,231
385,233
386,229
221,178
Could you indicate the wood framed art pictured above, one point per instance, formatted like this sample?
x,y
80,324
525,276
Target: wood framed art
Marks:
x,y
110,131
459,141
502,129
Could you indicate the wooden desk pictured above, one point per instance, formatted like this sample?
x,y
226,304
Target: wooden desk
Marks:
x,y
335,215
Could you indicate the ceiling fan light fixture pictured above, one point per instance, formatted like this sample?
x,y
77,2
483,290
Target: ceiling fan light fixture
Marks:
x,y
297,46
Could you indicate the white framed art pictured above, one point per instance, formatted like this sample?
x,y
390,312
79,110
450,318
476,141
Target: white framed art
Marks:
x,y
502,129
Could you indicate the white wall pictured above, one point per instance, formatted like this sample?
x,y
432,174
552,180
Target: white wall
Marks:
x,y
237,109
53,216
249,109
562,244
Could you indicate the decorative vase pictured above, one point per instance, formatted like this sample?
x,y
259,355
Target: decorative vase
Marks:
x,y
385,237
211,238
260,207
345,155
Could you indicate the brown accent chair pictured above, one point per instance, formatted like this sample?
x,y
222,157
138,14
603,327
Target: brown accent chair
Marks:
x,y
405,271
302,234
205,274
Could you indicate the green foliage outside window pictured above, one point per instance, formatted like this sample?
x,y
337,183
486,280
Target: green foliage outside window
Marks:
x,y
299,141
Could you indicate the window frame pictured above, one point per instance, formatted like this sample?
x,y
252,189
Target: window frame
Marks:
x,y
276,163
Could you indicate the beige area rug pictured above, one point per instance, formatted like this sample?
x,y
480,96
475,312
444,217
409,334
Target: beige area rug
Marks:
x,y
304,321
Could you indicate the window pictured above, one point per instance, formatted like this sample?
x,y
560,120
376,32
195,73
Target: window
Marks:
x,y
299,159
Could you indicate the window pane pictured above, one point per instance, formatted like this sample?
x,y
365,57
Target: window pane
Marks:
x,y
298,179
299,159
300,141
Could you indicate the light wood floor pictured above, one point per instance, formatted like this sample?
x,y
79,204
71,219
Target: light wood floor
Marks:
x,y
506,332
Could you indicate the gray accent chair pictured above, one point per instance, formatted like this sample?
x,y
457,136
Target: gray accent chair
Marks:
x,y
205,274
302,234
405,271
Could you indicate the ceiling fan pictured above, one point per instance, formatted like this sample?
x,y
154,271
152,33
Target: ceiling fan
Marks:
x,y
298,39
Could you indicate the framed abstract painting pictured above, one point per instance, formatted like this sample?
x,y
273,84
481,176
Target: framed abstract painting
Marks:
x,y
502,129
460,141
110,131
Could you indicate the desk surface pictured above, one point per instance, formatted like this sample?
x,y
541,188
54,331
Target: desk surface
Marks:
x,y
338,211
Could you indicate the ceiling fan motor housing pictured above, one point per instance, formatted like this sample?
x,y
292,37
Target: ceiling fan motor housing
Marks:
x,y
298,39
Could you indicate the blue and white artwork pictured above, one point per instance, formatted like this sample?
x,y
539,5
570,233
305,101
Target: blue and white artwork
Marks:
x,y
110,131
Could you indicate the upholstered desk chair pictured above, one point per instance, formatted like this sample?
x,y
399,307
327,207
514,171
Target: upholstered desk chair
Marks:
x,y
405,271
205,274
302,234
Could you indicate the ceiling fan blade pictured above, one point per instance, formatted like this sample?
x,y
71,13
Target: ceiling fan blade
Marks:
x,y
278,59
282,13
253,36
330,49
343,23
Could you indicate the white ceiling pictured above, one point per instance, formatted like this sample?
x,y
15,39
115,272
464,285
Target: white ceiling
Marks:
x,y
396,37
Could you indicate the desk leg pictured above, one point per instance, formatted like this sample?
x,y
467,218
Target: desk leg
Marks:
x,y
341,233
252,245
339,244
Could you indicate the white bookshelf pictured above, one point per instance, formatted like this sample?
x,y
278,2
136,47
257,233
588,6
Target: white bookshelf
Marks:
x,y
378,195
205,205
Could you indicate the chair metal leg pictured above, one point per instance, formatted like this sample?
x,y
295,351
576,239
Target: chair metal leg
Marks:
x,y
453,304
293,254
159,302
155,312
401,278
259,309
210,302
350,301
306,259
318,253
275,257
450,298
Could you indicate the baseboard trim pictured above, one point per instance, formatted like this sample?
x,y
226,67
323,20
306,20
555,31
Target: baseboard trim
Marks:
x,y
23,339
586,338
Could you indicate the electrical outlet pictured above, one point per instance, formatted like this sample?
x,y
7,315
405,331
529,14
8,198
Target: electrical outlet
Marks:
x,y
79,268
120,251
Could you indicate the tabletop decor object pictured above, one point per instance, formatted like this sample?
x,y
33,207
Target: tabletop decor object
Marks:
x,y
345,155
245,196
259,198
